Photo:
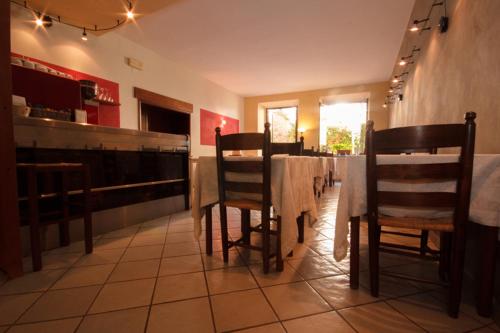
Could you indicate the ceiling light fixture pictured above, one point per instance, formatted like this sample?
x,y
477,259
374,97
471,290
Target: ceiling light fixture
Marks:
x,y
84,35
130,11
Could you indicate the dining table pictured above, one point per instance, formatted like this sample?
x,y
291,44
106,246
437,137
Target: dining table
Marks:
x,y
484,209
293,180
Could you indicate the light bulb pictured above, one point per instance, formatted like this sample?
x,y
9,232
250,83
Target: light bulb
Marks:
x,y
391,90
130,14
402,62
395,80
39,21
384,105
84,37
414,28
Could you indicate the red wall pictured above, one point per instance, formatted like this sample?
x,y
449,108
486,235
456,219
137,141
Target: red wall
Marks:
x,y
210,120
108,115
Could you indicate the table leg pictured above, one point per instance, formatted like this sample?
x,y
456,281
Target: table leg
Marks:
x,y
354,259
208,229
486,272
330,178
300,226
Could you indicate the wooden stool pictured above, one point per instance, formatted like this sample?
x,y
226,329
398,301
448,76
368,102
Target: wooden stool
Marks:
x,y
65,214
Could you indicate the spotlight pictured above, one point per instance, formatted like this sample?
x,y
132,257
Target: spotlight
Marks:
x,y
130,11
415,27
402,62
391,91
395,80
84,35
384,105
43,20
39,22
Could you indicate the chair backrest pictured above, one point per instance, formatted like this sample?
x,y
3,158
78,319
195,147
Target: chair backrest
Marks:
x,y
245,141
309,152
428,138
294,148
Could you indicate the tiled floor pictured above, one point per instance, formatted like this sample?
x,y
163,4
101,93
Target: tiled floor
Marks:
x,y
155,277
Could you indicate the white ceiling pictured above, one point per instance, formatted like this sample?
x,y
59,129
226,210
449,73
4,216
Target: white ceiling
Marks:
x,y
260,47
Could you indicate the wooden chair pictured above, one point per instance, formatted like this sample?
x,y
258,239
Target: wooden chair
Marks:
x,y
424,234
294,148
248,141
421,137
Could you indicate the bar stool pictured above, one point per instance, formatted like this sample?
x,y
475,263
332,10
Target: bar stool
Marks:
x,y
68,209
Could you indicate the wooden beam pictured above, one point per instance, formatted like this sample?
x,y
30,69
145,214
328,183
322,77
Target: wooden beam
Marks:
x,y
10,238
155,99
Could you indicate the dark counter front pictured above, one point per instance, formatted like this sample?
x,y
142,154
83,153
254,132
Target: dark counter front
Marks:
x,y
146,167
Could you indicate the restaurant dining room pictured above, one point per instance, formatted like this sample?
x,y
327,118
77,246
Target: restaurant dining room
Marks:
x,y
257,166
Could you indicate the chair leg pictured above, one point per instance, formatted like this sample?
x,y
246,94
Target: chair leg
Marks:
x,y
245,225
424,238
64,238
279,256
300,226
208,230
373,245
265,241
87,216
354,260
457,270
444,256
224,235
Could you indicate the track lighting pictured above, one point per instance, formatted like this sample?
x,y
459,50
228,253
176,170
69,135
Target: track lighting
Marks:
x,y
130,11
84,35
415,27
43,20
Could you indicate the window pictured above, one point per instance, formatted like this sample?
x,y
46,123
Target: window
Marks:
x,y
342,127
283,123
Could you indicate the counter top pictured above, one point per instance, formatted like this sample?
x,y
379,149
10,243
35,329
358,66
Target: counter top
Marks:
x,y
48,133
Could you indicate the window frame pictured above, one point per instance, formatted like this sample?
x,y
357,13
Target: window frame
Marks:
x,y
284,107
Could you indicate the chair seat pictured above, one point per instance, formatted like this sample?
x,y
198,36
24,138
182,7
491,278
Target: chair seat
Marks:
x,y
244,204
443,224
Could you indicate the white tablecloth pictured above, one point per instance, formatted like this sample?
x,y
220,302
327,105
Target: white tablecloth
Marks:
x,y
485,193
291,191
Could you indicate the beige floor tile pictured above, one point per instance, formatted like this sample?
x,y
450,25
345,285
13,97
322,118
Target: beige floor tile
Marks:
x,y
338,293
162,221
378,317
53,261
84,276
142,253
273,277
302,250
58,304
73,247
150,231
181,227
241,309
216,246
434,320
230,279
185,316
124,321
314,267
37,281
13,306
390,286
294,300
112,243
145,240
56,326
123,295
178,287
271,328
180,237
123,232
100,257
216,260
132,270
181,249
320,323
179,265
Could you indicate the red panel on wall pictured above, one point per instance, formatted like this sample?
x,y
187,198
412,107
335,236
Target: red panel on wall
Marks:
x,y
108,115
210,120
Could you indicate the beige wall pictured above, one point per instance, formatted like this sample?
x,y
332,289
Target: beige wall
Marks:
x,y
456,72
308,107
